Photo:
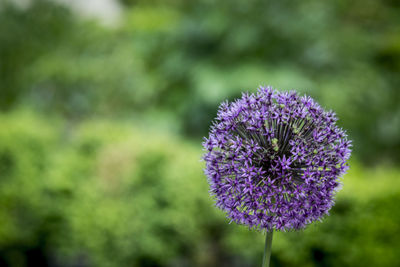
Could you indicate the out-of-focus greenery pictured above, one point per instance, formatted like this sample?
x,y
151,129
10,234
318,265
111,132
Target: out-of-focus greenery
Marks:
x,y
184,57
100,129
109,194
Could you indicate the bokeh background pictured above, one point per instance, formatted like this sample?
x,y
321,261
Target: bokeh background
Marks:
x,y
104,104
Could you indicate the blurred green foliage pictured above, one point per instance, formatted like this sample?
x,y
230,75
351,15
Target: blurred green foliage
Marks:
x,y
100,128
109,194
184,57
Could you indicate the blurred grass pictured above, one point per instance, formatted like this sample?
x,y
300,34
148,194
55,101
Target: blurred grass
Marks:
x,y
100,129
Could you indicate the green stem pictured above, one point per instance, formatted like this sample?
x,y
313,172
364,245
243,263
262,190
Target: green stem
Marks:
x,y
267,249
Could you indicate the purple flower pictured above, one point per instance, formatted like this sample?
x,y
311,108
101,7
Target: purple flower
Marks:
x,y
273,159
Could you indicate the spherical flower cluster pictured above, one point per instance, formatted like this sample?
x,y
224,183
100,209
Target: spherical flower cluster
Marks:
x,y
273,160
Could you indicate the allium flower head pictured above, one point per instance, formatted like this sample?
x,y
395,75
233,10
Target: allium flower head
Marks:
x,y
274,159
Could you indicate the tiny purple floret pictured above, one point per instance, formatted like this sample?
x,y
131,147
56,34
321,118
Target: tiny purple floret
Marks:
x,y
274,160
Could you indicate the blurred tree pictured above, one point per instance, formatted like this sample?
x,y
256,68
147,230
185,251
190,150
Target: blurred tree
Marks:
x,y
184,57
26,35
